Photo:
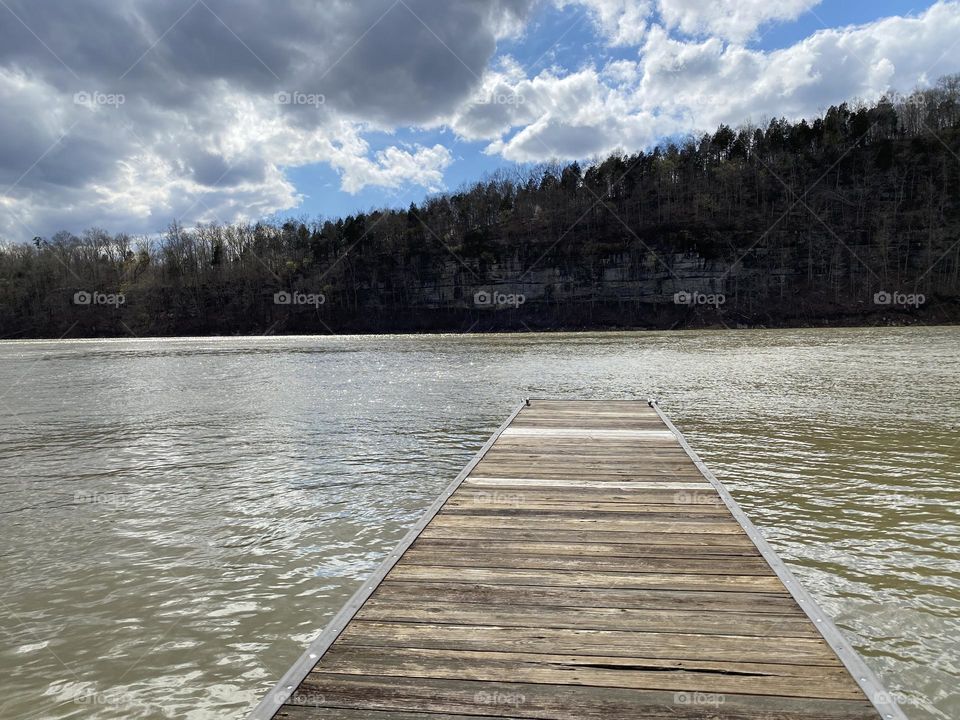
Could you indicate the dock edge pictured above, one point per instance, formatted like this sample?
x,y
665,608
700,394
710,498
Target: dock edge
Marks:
x,y
281,692
882,700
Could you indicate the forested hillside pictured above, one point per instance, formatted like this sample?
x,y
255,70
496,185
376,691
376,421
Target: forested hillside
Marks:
x,y
852,217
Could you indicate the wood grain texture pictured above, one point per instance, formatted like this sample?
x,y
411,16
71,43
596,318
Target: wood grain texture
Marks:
x,y
530,700
789,624
584,570
685,564
688,647
586,536
520,595
593,671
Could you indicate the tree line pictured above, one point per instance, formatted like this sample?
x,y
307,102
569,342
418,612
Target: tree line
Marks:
x,y
848,218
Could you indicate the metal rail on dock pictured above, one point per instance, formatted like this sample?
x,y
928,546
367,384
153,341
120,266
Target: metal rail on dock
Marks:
x,y
585,563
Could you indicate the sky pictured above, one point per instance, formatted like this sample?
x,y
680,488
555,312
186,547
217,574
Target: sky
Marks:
x,y
128,115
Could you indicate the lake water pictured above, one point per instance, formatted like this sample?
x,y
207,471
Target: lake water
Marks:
x,y
180,517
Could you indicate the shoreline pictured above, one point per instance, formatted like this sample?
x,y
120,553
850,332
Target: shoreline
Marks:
x,y
525,328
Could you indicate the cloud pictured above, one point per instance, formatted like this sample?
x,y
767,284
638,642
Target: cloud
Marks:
x,y
622,22
735,20
626,22
692,85
569,116
393,167
206,111
711,82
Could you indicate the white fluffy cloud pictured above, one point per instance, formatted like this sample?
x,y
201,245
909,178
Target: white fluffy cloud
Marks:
x,y
714,83
735,20
679,86
568,116
393,167
623,22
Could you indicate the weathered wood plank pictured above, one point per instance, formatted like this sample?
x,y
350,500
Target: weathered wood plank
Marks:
x,y
586,536
663,464
584,424
582,420
678,646
690,485
717,565
670,463
664,470
573,578
559,444
790,625
518,595
580,405
311,711
661,513
591,425
605,433
506,505
528,700
584,549
599,672
588,454
652,525
585,459
484,493
586,414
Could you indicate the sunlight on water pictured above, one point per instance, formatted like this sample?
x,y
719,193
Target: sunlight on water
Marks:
x,y
181,517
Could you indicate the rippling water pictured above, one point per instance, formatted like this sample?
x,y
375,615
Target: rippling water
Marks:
x,y
180,517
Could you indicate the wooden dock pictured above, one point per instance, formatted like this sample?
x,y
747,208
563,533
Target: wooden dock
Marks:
x,y
585,564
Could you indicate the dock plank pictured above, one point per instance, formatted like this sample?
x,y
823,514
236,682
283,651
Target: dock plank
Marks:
x,y
517,595
584,549
528,700
582,567
595,672
666,562
677,646
573,578
588,536
789,624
